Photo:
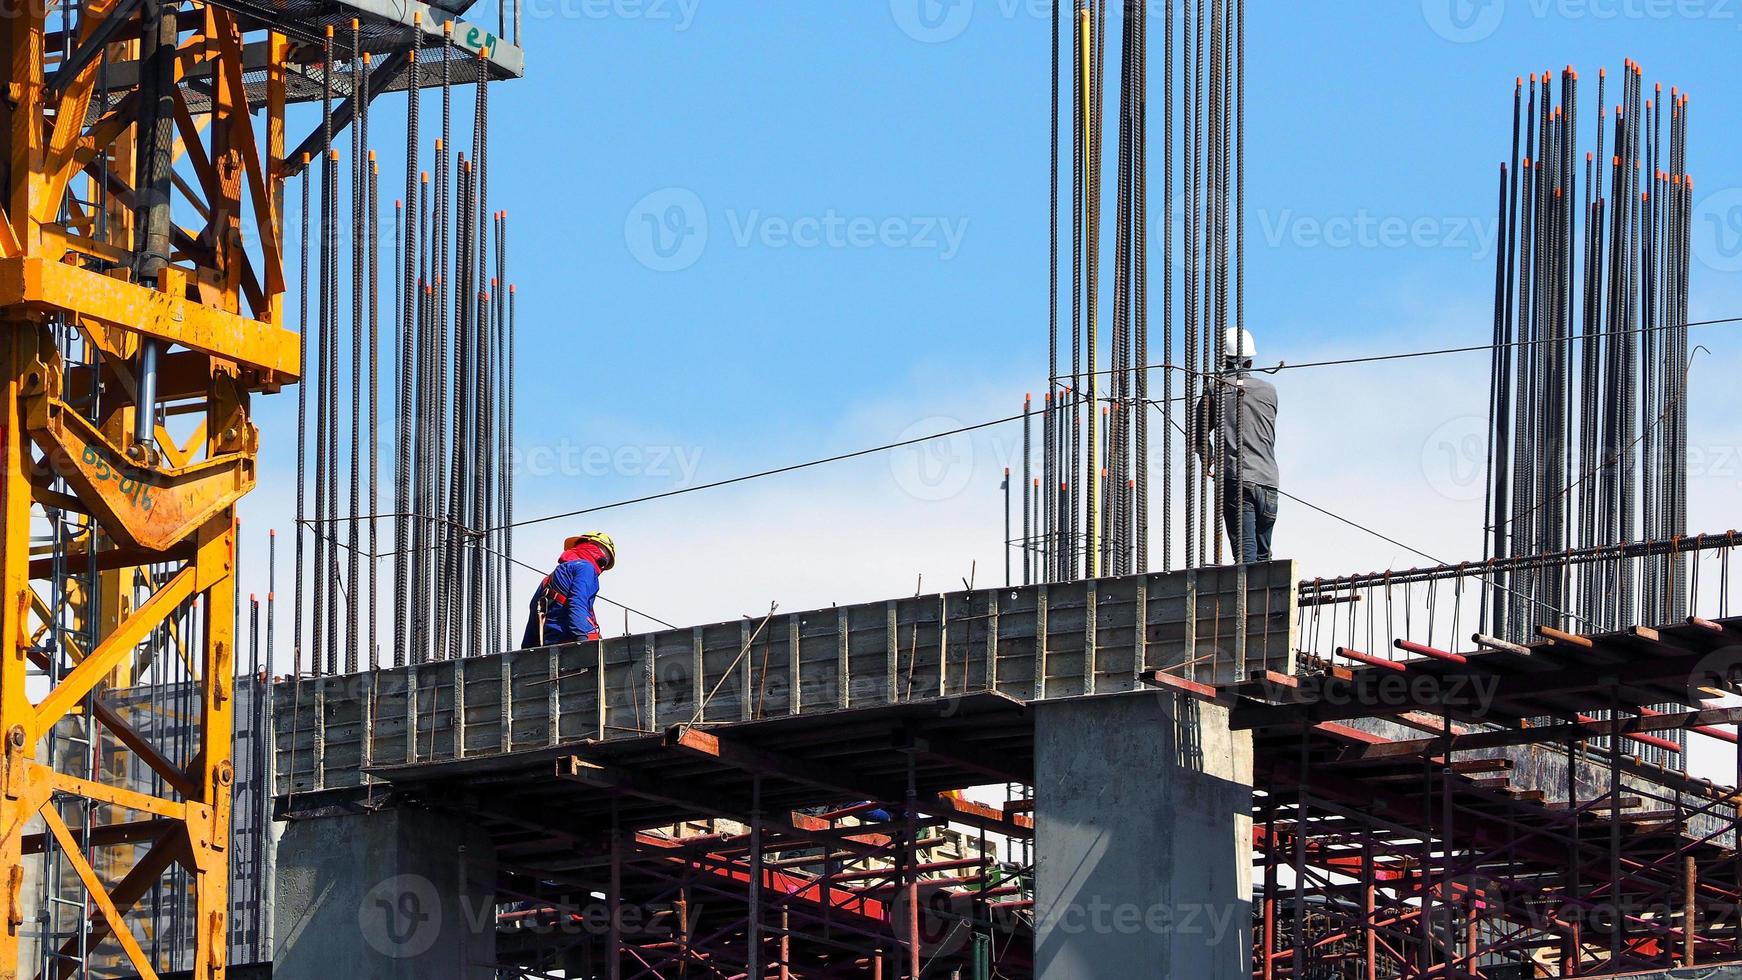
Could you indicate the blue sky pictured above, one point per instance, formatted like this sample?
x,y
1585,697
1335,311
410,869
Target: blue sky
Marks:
x,y
874,184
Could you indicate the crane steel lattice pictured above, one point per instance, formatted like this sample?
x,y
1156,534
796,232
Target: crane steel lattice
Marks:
x,y
131,347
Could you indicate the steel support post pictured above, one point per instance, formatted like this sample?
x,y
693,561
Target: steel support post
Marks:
x,y
1617,924
1369,903
909,864
614,901
1690,910
753,930
1267,952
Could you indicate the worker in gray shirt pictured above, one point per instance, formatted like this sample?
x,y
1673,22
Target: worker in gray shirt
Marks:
x,y
1237,417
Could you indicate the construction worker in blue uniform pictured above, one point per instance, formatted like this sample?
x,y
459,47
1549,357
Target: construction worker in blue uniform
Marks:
x,y
562,605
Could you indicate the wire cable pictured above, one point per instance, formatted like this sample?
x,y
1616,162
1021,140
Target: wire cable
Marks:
x,y
1472,349
777,471
1005,420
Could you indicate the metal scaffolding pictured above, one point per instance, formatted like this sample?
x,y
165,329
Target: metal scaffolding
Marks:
x,y
142,301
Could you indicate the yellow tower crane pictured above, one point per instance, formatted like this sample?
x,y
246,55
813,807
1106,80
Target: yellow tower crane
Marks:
x,y
170,323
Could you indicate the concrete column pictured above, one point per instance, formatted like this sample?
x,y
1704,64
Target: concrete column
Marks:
x,y
394,895
1143,830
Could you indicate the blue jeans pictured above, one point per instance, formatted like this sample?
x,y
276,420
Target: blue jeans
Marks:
x,y
1251,521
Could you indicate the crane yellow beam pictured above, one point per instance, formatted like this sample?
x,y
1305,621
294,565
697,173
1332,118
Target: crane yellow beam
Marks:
x,y
211,313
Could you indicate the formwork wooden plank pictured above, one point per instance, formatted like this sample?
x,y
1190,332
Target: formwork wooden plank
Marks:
x,y
1034,642
1040,632
795,688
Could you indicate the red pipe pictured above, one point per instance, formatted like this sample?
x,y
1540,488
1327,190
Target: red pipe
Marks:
x,y
1706,730
1427,651
1370,660
1651,740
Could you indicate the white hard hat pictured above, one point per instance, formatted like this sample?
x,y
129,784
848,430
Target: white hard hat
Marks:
x,y
1238,345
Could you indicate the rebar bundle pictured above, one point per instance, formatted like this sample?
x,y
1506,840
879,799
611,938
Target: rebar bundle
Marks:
x,y
1588,397
448,364
1588,409
1095,457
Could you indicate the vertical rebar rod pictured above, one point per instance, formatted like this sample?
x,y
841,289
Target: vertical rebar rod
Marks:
x,y
483,561
1238,474
1213,293
505,445
322,580
406,407
1113,544
1167,275
1050,421
1091,311
374,437
508,498
359,191
1193,434
459,468
1079,203
1005,488
1027,475
421,530
296,648
1139,410
443,529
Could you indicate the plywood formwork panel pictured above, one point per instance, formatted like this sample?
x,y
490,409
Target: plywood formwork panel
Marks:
x,y
1033,643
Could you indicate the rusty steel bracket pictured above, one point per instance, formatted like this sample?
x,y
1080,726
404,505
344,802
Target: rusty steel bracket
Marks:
x,y
143,507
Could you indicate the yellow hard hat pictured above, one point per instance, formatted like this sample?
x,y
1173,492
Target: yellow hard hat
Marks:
x,y
599,538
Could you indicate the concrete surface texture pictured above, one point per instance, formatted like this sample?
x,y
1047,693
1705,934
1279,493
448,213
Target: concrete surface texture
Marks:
x,y
395,895
1142,813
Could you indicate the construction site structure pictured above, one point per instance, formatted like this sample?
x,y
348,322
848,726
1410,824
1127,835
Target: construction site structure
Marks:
x,y
1473,769
144,270
774,797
